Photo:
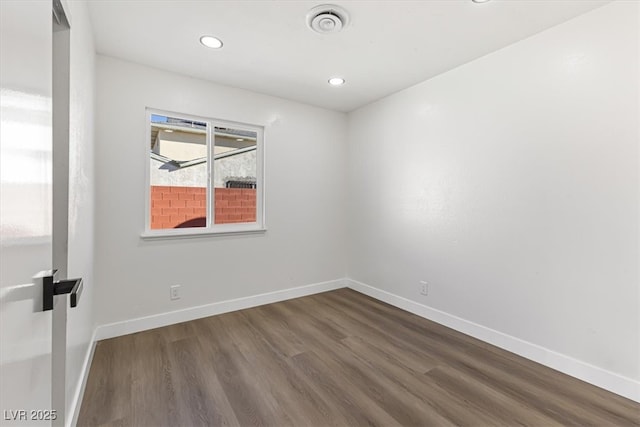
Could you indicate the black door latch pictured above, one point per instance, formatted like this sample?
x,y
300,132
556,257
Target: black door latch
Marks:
x,y
51,287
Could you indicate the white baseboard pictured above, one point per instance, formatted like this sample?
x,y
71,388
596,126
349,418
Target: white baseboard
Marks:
x,y
599,377
164,319
72,418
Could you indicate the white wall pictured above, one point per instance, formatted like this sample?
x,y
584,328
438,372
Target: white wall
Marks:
x,y
510,184
304,199
80,320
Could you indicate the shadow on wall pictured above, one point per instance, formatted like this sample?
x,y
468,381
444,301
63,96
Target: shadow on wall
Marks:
x,y
192,223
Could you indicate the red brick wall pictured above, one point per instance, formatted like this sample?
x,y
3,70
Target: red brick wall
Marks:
x,y
172,206
235,205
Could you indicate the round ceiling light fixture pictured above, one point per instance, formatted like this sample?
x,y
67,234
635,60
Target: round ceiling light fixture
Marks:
x,y
210,41
327,19
336,81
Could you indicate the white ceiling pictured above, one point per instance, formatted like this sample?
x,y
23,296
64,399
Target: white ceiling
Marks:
x,y
388,45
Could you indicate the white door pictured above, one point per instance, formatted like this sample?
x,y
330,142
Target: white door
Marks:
x,y
26,170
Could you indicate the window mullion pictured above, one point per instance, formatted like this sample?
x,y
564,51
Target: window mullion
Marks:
x,y
211,197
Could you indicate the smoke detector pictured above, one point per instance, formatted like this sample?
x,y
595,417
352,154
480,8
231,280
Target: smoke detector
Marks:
x,y
327,19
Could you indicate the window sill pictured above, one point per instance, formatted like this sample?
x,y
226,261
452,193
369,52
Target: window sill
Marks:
x,y
193,233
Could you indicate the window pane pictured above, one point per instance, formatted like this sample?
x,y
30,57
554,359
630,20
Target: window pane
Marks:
x,y
235,166
178,173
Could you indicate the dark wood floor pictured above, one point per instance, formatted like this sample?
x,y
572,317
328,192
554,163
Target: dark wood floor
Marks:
x,y
338,358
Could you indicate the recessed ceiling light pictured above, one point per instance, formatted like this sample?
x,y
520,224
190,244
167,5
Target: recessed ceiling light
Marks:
x,y
168,130
212,42
479,1
239,139
336,81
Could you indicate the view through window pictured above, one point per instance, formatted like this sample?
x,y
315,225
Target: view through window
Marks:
x,y
203,173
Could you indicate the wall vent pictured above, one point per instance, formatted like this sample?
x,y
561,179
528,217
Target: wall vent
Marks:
x,y
240,183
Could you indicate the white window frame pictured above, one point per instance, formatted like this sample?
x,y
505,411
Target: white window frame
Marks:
x,y
211,228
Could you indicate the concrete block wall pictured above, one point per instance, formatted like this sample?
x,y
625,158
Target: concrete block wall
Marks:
x,y
235,205
173,206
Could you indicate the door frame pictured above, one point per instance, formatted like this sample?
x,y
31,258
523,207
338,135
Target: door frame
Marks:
x,y
60,123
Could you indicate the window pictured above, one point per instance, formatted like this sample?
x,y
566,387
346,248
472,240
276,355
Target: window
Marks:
x,y
205,176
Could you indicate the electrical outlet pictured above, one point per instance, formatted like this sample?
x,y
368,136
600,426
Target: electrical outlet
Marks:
x,y
174,291
424,288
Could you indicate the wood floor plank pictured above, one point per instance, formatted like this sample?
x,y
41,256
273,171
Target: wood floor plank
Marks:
x,y
250,406
153,394
109,398
413,356
493,403
274,376
200,398
277,331
338,358
395,399
450,409
355,406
